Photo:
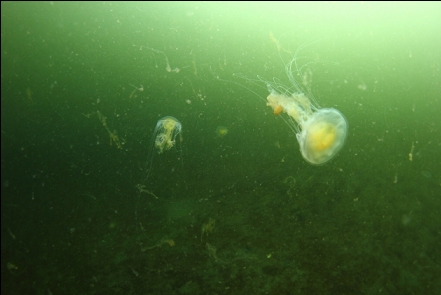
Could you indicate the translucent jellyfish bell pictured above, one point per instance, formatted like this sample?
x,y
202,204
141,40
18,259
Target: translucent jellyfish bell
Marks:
x,y
321,132
166,131
322,136
221,131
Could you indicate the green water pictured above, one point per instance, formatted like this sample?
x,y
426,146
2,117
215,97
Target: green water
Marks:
x,y
239,212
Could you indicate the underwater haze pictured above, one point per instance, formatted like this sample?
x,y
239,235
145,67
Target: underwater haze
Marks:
x,y
141,154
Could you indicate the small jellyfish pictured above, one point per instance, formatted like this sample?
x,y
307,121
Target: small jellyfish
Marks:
x,y
165,133
320,132
221,131
163,138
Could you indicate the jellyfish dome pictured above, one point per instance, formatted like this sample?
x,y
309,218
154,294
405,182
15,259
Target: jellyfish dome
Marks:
x,y
166,131
322,135
221,131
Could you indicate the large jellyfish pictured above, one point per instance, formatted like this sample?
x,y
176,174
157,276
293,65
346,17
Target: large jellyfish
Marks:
x,y
321,132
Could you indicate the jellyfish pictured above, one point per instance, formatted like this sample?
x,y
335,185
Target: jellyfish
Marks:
x,y
320,132
165,133
163,139
221,131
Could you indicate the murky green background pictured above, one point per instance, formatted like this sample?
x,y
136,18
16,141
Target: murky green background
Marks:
x,y
238,214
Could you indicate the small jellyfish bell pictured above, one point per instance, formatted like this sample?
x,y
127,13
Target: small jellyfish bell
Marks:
x,y
221,131
321,132
165,132
163,138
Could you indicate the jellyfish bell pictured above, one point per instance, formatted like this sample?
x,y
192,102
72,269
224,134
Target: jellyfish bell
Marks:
x,y
221,131
322,136
165,133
